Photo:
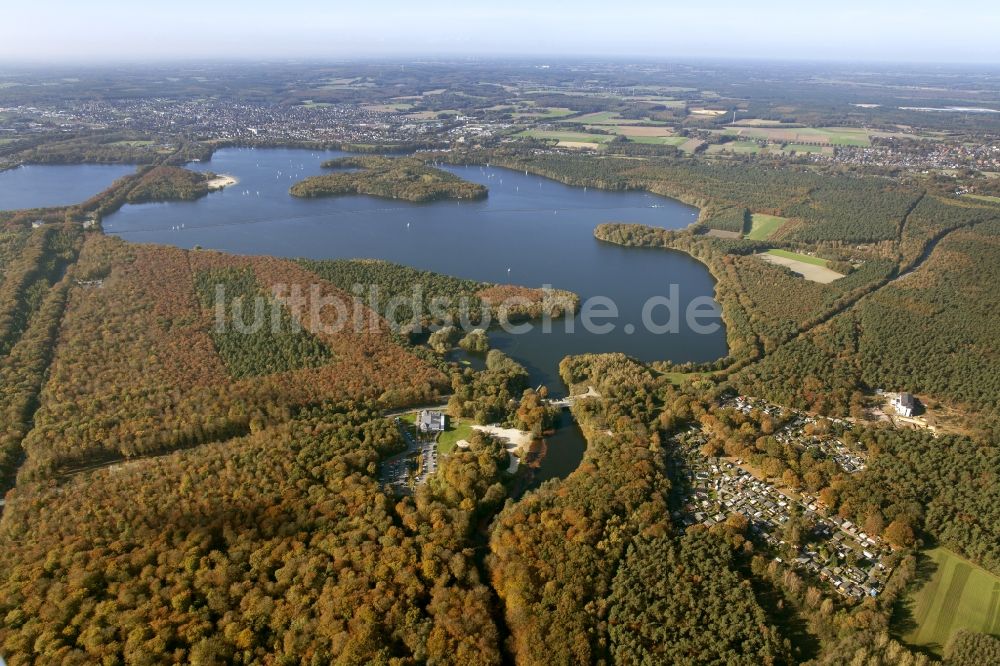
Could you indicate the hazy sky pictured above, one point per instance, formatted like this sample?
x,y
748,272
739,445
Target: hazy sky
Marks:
x,y
133,30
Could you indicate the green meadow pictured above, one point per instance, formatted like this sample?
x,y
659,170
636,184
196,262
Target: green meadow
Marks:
x,y
764,225
958,595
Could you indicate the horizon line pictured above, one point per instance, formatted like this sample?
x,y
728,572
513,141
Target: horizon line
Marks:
x,y
428,57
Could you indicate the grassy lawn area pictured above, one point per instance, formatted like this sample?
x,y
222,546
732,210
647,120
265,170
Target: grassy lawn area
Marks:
x,y
581,137
958,595
457,429
764,225
676,378
804,258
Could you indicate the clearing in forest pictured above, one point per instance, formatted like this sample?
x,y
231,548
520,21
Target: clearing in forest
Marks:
x,y
765,225
811,268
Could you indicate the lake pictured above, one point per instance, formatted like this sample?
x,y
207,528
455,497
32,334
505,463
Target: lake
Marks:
x,y
529,231
45,185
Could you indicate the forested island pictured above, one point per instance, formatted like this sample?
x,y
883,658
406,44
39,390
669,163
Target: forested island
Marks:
x,y
170,183
388,178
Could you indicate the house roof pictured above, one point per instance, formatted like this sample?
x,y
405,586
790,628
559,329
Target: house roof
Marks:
x,y
906,399
431,418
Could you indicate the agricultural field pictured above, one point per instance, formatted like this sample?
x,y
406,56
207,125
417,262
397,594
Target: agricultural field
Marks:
x,y
764,225
668,102
984,197
312,104
134,143
810,268
758,122
394,107
958,595
803,148
842,136
599,118
804,258
633,131
430,115
568,137
708,112
737,147
347,83
691,145
660,140
612,118
834,136
543,112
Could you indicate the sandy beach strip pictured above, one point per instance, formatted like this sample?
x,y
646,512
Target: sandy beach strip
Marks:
x,y
220,181
516,439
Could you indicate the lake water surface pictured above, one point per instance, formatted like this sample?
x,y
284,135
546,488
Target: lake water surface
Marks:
x,y
45,185
529,231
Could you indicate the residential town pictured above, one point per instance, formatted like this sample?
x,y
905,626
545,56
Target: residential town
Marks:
x,y
216,120
917,155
